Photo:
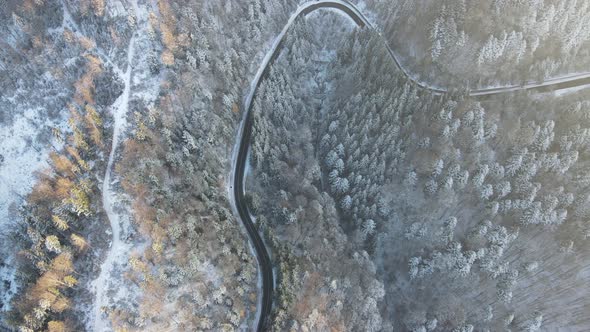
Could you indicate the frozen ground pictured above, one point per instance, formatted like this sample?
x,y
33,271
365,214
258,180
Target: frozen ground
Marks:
x,y
118,251
25,144
568,91
8,284
24,147
110,286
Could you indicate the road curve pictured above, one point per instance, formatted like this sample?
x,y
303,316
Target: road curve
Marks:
x,y
240,153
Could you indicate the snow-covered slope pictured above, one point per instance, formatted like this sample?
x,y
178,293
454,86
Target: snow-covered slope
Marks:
x,y
118,248
22,153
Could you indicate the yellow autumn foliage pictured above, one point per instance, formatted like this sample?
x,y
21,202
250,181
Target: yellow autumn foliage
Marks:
x,y
167,58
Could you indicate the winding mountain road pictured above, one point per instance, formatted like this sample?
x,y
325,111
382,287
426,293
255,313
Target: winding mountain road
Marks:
x,y
240,154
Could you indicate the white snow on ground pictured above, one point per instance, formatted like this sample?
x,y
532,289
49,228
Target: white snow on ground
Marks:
x,y
20,160
21,157
8,284
563,78
563,92
370,20
119,249
370,16
110,287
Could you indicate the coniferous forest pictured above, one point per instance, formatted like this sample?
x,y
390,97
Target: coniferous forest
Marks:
x,y
276,165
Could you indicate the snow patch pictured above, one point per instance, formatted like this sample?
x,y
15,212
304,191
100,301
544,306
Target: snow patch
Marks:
x,y
21,155
119,249
567,91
